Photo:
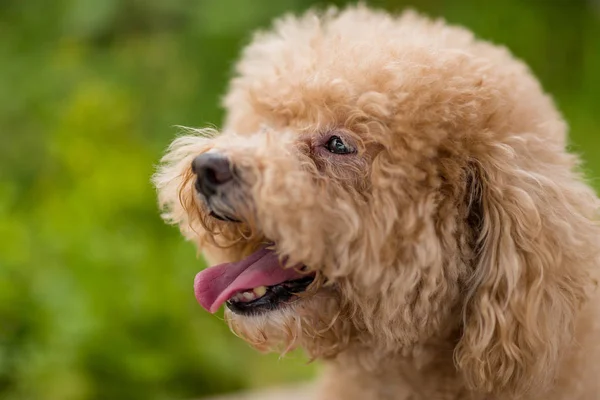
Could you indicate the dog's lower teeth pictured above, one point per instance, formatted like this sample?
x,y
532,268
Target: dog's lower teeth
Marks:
x,y
250,295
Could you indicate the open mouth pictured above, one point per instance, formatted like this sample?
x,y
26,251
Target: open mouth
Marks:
x,y
265,298
256,284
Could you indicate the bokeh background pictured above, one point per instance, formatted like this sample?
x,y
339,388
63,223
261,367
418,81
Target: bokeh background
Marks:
x,y
95,291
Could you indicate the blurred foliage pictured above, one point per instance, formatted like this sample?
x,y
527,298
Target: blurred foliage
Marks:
x,y
95,291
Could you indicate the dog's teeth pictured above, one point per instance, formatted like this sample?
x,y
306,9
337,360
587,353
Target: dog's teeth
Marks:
x,y
260,291
249,295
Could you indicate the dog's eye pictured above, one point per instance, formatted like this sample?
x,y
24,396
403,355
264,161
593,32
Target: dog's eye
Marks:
x,y
337,146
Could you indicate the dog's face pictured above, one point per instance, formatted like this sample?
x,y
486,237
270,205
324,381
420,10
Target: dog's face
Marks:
x,y
364,192
310,226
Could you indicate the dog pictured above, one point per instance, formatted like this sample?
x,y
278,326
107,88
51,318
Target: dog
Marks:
x,y
395,197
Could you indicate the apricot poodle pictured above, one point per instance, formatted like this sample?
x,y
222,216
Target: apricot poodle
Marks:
x,y
395,197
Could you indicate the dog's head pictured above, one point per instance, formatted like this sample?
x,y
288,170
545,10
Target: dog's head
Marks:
x,y
412,181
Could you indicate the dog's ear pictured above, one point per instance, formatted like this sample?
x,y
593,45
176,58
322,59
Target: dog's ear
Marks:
x,y
533,241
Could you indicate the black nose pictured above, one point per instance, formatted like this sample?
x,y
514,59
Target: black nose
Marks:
x,y
213,171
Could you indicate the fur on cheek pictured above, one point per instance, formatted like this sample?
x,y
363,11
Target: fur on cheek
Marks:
x,y
380,246
307,213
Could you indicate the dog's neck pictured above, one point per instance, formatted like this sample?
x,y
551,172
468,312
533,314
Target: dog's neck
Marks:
x,y
426,371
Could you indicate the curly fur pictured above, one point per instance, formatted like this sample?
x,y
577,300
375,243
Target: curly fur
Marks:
x,y
456,252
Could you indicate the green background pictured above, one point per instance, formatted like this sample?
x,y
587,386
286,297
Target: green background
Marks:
x,y
95,291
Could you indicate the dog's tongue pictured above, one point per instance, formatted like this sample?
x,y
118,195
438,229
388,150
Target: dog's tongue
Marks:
x,y
215,285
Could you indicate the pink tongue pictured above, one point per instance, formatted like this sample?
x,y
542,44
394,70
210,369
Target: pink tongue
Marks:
x,y
215,285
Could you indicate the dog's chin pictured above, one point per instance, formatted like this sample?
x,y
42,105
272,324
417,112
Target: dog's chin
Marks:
x,y
313,322
279,330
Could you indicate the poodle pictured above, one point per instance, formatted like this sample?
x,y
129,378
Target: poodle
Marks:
x,y
395,197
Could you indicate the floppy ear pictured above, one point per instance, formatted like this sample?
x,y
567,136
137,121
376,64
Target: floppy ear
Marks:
x,y
534,240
